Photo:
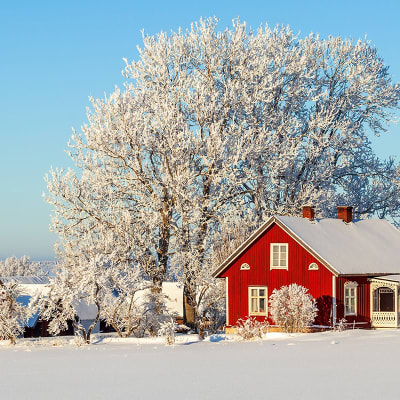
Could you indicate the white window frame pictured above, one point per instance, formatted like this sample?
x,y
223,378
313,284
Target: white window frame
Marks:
x,y
271,260
347,287
250,297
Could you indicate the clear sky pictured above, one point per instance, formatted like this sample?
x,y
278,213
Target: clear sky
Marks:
x,y
54,54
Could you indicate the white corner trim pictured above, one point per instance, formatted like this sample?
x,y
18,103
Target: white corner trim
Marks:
x,y
333,300
226,301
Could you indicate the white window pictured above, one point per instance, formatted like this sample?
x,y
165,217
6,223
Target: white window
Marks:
x,y
350,298
279,256
258,300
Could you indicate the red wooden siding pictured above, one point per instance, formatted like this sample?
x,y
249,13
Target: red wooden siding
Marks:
x,y
363,300
257,256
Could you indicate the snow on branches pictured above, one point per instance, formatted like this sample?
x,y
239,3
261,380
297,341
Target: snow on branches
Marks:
x,y
292,308
212,126
250,328
13,314
13,266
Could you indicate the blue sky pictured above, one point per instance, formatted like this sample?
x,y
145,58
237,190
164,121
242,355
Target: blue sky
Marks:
x,y
53,55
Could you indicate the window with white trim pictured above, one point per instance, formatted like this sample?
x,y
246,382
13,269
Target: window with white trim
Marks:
x,y
350,298
258,300
279,256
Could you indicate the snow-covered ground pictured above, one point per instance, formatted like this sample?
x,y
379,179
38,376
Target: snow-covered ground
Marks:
x,y
346,365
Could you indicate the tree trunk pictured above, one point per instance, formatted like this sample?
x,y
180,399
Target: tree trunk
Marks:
x,y
189,312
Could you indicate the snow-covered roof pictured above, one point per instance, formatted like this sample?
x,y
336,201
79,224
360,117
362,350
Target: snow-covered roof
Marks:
x,y
369,246
364,247
30,285
394,278
25,280
172,290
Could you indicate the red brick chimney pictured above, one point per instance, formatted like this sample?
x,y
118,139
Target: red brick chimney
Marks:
x,y
309,212
345,213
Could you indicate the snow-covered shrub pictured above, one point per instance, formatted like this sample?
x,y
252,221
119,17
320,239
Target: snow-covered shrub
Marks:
x,y
340,326
121,307
79,339
167,330
152,313
122,314
250,328
213,307
13,314
292,308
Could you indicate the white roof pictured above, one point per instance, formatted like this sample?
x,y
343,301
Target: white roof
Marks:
x,y
26,280
395,278
370,246
29,285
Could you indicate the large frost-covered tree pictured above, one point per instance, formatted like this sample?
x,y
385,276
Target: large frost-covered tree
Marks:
x,y
218,126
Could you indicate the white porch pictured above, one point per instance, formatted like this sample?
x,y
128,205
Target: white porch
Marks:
x,y
384,299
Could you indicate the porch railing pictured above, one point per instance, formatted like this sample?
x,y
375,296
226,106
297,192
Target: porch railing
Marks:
x,y
384,319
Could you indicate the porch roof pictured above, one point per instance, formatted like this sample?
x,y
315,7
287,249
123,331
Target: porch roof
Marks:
x,y
394,278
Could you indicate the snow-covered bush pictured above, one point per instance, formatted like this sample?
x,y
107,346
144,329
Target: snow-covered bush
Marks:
x,y
250,328
138,316
167,330
292,308
79,340
340,326
153,314
13,314
213,307
122,313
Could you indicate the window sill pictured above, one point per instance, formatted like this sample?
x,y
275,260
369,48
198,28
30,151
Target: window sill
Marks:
x,y
258,314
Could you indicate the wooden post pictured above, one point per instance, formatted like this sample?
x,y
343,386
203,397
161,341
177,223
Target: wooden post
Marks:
x,y
396,305
226,302
371,302
333,300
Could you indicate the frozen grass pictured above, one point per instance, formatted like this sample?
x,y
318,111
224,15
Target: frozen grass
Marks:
x,y
346,365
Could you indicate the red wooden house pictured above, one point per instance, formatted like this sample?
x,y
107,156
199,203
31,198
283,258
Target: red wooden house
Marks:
x,y
351,268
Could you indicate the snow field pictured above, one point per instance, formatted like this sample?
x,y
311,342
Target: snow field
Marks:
x,y
347,365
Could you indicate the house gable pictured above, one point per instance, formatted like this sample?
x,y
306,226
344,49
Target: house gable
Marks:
x,y
227,263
